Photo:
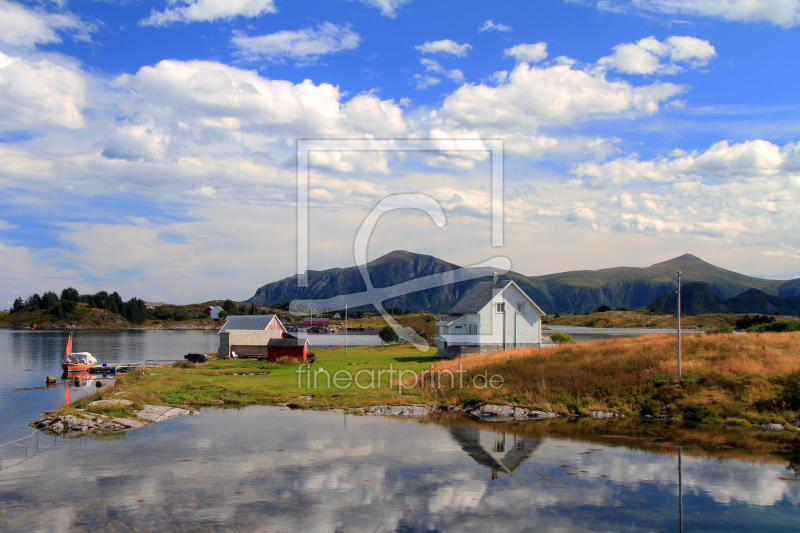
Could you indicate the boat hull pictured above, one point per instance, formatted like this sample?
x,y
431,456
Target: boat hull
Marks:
x,y
69,368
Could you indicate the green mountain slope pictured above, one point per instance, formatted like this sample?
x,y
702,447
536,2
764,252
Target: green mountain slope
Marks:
x,y
577,291
632,287
699,298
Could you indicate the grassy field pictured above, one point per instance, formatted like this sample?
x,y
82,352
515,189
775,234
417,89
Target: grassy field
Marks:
x,y
640,319
238,382
740,378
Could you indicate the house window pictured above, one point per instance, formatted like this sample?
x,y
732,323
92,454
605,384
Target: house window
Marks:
x,y
473,329
458,327
501,308
521,308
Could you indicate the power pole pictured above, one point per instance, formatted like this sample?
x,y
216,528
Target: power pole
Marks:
x,y
345,329
679,324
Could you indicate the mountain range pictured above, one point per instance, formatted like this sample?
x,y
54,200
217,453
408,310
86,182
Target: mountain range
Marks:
x,y
575,291
698,298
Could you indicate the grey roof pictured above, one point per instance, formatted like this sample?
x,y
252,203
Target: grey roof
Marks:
x,y
287,341
446,321
247,322
477,297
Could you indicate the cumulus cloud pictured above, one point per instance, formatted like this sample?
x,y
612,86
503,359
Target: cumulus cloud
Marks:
x,y
40,94
553,95
445,47
208,10
207,102
757,158
527,53
388,7
784,13
303,46
22,26
489,25
644,56
423,81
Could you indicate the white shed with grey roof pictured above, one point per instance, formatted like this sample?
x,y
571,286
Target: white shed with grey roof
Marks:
x,y
491,316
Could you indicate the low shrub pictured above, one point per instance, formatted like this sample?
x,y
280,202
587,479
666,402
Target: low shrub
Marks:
x,y
183,364
561,338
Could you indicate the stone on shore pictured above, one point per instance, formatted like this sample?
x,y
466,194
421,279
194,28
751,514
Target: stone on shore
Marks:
x,y
605,414
773,427
111,403
499,413
407,411
127,423
157,413
50,379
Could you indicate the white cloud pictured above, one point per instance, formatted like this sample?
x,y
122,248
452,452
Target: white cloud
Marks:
x,y
445,47
527,53
423,81
208,10
554,95
785,13
40,94
304,46
489,25
388,7
205,102
750,159
21,26
432,65
644,56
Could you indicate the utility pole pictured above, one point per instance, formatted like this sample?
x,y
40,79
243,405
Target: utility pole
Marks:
x,y
345,329
679,324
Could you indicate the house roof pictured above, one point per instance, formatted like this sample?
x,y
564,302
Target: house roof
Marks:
x,y
477,297
247,322
481,294
287,342
446,321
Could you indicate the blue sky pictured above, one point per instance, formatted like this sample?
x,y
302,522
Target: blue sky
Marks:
x,y
149,147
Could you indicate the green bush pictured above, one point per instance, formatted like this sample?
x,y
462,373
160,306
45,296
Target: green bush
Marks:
x,y
561,338
203,316
791,389
603,308
183,364
388,335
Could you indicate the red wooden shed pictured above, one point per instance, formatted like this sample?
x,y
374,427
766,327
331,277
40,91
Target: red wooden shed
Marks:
x,y
288,346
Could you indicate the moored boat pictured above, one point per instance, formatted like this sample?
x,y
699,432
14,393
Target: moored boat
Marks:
x,y
78,361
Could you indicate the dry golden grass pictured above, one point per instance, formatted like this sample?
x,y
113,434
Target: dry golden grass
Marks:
x,y
724,376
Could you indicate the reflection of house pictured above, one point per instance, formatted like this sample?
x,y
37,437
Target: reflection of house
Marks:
x,y
261,336
213,312
491,316
498,451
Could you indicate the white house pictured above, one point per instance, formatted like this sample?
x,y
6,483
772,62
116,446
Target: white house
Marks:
x,y
492,316
213,312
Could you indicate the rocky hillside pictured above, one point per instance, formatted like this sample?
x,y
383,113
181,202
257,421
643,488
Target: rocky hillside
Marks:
x,y
576,291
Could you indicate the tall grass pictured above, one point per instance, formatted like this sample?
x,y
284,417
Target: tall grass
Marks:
x,y
724,376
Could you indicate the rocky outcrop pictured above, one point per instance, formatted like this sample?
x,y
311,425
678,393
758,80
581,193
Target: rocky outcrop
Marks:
x,y
606,414
773,427
76,425
497,413
406,411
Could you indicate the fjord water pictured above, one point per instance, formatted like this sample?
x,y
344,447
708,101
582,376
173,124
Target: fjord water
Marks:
x,y
273,469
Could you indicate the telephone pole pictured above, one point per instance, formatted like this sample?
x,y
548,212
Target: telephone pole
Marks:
x,y
679,324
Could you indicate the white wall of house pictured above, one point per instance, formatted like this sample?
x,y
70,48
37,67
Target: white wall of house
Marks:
x,y
497,327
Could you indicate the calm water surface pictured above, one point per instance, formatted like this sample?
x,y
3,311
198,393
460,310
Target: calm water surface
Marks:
x,y
273,469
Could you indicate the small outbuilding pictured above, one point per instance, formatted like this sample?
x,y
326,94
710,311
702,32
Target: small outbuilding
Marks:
x,y
260,337
213,312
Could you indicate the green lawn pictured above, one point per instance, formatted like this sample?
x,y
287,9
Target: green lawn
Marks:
x,y
270,383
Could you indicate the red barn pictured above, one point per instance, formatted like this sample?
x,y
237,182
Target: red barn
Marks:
x,y
288,346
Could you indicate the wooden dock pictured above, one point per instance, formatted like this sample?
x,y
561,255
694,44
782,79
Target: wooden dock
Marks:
x,y
115,368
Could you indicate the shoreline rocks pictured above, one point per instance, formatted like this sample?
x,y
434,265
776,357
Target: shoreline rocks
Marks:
x,y
500,413
74,425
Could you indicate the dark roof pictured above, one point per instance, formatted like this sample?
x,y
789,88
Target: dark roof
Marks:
x,y
247,322
287,342
477,297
